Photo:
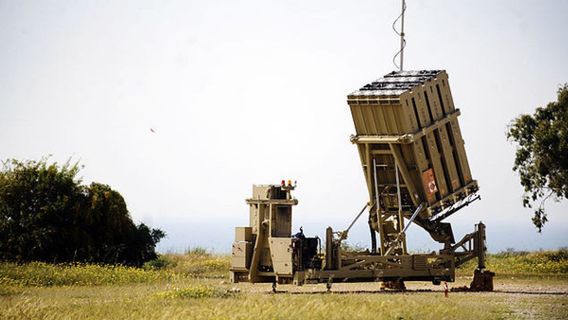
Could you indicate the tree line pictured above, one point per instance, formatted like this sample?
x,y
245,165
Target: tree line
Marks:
x,y
47,214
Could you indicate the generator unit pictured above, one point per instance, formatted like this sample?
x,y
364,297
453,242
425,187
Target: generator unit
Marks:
x,y
266,250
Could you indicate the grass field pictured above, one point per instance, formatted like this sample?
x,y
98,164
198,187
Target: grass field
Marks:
x,y
196,286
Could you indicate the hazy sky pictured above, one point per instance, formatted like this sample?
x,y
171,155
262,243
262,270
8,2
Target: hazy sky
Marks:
x,y
243,92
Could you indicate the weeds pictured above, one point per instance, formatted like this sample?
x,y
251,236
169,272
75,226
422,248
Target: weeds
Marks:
x,y
202,264
162,262
40,274
194,292
197,251
198,263
510,262
184,286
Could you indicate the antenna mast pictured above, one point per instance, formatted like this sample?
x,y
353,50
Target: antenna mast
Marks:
x,y
402,41
400,66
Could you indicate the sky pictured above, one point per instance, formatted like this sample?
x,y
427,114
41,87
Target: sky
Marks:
x,y
182,106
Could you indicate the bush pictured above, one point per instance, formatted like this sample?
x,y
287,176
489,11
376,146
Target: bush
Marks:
x,y
162,262
557,256
47,215
197,251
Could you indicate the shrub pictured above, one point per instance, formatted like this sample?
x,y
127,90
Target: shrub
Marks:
x,y
47,215
161,262
197,251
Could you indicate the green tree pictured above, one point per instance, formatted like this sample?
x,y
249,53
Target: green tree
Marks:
x,y
542,154
47,215
38,204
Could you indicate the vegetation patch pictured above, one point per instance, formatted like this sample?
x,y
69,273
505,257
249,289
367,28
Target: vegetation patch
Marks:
x,y
195,292
6,290
510,262
39,274
195,263
47,214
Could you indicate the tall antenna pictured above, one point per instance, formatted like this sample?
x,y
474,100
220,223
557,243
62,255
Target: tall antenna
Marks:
x,y
402,40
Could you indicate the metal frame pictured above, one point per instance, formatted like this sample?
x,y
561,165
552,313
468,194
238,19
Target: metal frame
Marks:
x,y
415,167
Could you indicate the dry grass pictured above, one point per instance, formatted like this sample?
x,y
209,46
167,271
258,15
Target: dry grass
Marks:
x,y
198,264
74,303
39,274
522,263
146,301
195,286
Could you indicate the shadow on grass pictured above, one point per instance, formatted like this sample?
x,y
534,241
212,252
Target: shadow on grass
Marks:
x,y
386,292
